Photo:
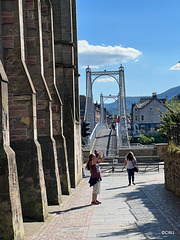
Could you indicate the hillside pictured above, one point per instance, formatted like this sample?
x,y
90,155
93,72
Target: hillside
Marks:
x,y
112,107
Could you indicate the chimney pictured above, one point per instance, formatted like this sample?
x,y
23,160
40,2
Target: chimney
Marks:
x,y
154,95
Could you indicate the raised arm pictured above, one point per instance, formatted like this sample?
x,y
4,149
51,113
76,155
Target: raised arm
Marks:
x,y
101,159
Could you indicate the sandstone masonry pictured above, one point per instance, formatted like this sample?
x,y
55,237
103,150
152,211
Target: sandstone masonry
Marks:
x,y
40,137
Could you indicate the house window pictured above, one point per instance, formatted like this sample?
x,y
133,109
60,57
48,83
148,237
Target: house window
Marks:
x,y
142,117
136,118
150,108
135,109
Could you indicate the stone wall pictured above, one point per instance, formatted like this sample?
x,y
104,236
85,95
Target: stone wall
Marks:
x,y
172,170
67,84
160,147
23,100
11,223
40,87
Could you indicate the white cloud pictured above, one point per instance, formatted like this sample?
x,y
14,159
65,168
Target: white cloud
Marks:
x,y
91,66
175,67
105,80
136,60
100,55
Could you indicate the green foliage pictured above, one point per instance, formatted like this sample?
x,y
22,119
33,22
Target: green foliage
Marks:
x,y
148,139
172,116
172,149
159,139
145,140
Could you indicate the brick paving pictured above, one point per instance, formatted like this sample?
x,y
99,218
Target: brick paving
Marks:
x,y
144,211
71,221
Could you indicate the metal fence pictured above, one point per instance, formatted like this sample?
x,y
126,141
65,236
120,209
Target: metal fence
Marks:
x,y
174,133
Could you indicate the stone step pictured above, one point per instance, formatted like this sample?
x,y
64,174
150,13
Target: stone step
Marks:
x,y
139,159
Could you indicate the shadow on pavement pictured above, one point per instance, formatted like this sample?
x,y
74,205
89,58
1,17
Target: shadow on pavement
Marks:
x,y
148,199
71,209
116,188
102,136
145,231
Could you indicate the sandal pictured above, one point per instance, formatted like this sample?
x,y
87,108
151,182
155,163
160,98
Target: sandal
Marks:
x,y
98,202
94,203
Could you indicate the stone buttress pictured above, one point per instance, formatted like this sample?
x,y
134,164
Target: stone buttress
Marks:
x,y
35,64
67,81
57,108
23,113
11,223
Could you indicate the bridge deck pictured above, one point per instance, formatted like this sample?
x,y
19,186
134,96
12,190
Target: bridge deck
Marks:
x,y
106,142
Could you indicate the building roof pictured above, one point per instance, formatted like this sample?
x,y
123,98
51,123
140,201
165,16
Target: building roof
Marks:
x,y
144,101
142,104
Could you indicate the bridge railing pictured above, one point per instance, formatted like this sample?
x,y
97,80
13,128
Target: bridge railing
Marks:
x,y
97,128
117,134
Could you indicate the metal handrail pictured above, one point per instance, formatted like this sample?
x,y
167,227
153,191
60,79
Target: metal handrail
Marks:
x,y
97,128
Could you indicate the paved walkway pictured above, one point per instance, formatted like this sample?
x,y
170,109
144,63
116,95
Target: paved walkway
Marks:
x,y
143,211
106,142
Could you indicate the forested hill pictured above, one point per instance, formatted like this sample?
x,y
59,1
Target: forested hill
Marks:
x,y
112,107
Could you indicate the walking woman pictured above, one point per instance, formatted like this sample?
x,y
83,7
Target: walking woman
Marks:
x,y
130,162
95,178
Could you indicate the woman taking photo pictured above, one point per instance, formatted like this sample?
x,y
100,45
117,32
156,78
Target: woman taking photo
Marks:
x,y
95,178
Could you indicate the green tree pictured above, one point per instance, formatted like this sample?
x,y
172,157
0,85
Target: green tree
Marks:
x,y
145,140
171,117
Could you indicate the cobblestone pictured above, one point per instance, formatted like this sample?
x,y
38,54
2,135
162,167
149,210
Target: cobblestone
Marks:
x,y
144,211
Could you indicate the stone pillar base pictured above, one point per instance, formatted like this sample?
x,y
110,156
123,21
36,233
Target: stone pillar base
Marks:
x,y
11,223
51,173
63,164
31,179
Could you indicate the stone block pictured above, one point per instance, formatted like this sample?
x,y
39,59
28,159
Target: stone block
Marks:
x,y
8,41
31,60
7,17
30,42
29,4
30,23
41,123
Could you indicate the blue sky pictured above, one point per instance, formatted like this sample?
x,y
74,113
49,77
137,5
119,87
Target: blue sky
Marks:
x,y
142,35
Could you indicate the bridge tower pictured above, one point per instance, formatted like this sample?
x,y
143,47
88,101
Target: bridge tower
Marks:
x,y
123,130
101,109
90,110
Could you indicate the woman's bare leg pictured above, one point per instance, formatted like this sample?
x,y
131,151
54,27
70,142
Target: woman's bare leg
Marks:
x,y
94,197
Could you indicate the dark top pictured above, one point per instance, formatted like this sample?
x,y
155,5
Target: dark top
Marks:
x,y
95,170
95,173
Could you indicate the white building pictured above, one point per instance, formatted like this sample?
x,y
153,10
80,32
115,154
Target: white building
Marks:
x,y
145,114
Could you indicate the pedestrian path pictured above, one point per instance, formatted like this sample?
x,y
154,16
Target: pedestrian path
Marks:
x,y
101,142
144,211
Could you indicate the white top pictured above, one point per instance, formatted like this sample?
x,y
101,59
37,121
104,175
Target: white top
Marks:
x,y
130,164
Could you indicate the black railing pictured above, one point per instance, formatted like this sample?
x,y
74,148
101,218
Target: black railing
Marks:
x,y
174,133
